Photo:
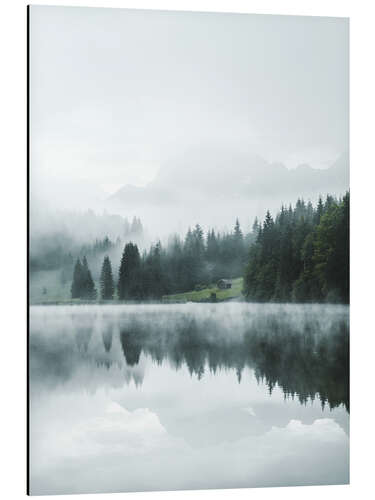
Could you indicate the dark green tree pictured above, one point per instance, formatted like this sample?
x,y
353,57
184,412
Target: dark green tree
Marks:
x,y
77,284
319,211
194,251
239,251
107,287
256,226
212,246
129,285
154,279
88,291
303,255
238,236
331,251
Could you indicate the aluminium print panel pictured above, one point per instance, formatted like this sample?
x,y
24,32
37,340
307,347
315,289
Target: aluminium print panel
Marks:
x,y
188,250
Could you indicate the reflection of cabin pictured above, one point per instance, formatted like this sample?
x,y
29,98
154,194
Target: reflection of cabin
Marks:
x,y
224,284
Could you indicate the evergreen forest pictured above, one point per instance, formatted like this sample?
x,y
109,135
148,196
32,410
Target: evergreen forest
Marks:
x,y
301,255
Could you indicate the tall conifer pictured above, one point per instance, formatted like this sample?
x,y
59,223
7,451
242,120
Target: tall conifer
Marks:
x,y
107,286
88,289
77,284
130,278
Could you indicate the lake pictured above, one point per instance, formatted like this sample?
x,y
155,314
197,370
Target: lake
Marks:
x,y
187,396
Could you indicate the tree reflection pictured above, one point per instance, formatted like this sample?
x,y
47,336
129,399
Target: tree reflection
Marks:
x,y
107,335
302,350
131,343
83,336
305,362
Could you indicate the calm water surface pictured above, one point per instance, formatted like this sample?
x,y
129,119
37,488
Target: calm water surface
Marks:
x,y
150,397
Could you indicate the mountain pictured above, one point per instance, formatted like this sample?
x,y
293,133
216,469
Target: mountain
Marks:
x,y
215,186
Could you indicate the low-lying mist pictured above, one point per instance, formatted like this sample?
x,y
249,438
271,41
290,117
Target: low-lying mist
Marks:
x,y
304,349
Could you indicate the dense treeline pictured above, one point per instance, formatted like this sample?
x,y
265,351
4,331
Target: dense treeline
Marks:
x,y
182,265
302,255
200,259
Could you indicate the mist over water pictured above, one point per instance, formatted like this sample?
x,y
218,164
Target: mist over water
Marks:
x,y
142,397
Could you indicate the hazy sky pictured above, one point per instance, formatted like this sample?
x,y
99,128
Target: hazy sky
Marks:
x,y
116,93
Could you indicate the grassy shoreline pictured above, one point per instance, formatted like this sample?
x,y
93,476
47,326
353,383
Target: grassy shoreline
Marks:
x,y
205,295
192,296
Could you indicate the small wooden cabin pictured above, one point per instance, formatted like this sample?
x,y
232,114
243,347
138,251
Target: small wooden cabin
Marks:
x,y
224,284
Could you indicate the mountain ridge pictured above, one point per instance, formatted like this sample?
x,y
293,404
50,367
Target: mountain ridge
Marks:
x,y
253,177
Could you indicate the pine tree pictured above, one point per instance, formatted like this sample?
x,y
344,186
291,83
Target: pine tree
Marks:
x,y
238,236
331,250
107,286
174,269
212,247
88,290
154,279
198,241
303,255
77,284
255,227
130,274
189,265
319,211
238,251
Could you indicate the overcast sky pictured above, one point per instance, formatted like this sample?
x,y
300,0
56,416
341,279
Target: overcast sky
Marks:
x,y
117,94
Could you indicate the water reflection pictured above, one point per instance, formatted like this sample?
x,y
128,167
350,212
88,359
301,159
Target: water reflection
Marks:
x,y
131,342
107,335
187,396
302,349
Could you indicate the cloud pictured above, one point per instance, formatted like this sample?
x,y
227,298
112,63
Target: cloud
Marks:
x,y
119,431
96,445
